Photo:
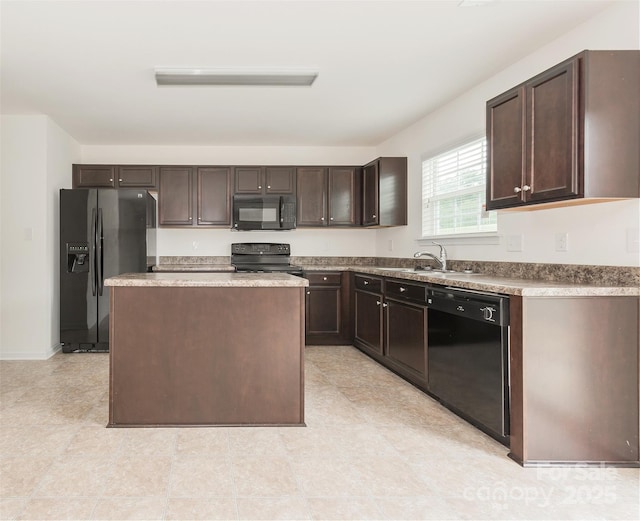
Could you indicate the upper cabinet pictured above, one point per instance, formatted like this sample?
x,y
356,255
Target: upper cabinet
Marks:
x,y
384,192
328,196
265,180
571,132
113,176
175,199
213,193
207,189
347,196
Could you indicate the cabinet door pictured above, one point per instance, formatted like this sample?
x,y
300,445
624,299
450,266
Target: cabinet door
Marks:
x,y
94,176
248,180
342,197
280,180
505,149
323,311
370,194
214,196
175,196
406,336
137,176
552,134
368,321
312,193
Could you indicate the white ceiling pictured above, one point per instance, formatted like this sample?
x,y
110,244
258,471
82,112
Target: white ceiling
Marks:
x,y
382,65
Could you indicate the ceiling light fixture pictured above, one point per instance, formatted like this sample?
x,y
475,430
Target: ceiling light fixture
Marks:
x,y
236,77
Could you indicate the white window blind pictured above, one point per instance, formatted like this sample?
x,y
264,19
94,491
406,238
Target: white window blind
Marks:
x,y
453,192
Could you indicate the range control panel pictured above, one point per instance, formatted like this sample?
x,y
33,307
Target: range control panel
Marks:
x,y
260,248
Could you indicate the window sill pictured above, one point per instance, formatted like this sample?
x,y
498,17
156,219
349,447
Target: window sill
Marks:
x,y
463,239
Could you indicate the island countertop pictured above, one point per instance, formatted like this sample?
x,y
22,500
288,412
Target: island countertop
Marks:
x,y
207,280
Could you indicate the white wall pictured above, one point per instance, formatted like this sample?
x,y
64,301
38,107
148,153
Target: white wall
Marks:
x,y
597,233
176,241
36,161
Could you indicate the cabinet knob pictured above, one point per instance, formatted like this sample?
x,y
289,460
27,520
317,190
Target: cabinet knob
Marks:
x,y
322,218
402,290
269,187
308,293
331,218
378,302
517,190
111,180
120,180
324,278
373,216
385,305
260,187
366,282
526,188
199,218
191,218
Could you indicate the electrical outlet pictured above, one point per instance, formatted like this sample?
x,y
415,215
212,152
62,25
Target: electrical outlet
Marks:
x,y
562,241
514,242
195,245
390,244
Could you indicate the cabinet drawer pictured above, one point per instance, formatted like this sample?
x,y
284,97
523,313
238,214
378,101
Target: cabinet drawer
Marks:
x,y
372,284
404,290
324,278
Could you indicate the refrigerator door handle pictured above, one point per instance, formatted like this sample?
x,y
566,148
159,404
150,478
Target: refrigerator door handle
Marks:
x,y
92,260
99,254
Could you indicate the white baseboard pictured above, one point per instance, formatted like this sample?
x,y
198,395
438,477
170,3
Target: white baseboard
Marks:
x,y
22,354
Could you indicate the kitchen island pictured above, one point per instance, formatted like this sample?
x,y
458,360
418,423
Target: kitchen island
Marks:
x,y
206,349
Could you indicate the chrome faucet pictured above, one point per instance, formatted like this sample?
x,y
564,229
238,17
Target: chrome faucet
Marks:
x,y
442,260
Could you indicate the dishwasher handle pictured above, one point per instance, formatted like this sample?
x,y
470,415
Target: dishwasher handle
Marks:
x,y
492,310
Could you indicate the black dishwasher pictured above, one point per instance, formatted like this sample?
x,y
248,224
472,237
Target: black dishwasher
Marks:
x,y
468,354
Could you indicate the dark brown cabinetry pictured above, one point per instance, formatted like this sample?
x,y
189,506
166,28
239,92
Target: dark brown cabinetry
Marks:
x,y
569,133
406,329
209,193
213,191
391,325
589,412
327,308
368,313
328,196
265,180
384,192
175,199
114,176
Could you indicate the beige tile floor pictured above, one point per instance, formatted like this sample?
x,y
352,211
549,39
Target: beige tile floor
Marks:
x,y
374,448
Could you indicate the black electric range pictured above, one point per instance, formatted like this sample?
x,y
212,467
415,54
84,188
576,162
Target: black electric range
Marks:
x,y
263,257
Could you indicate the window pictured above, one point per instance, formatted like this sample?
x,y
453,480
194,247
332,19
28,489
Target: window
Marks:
x,y
453,192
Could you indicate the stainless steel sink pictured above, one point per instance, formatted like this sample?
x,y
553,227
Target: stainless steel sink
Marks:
x,y
433,272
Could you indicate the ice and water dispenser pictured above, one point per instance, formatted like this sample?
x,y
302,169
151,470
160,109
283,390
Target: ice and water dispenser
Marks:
x,y
77,257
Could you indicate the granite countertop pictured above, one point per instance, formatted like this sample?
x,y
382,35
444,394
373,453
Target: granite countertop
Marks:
x,y
215,268
475,281
207,280
503,285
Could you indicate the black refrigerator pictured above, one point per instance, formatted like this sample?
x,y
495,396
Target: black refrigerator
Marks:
x,y
103,233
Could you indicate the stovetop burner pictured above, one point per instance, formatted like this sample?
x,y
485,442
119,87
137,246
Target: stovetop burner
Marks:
x,y
263,257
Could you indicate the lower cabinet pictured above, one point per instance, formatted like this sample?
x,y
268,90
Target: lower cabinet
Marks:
x,y
391,324
369,316
327,308
406,338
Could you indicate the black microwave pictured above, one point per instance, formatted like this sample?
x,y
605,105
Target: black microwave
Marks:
x,y
264,212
